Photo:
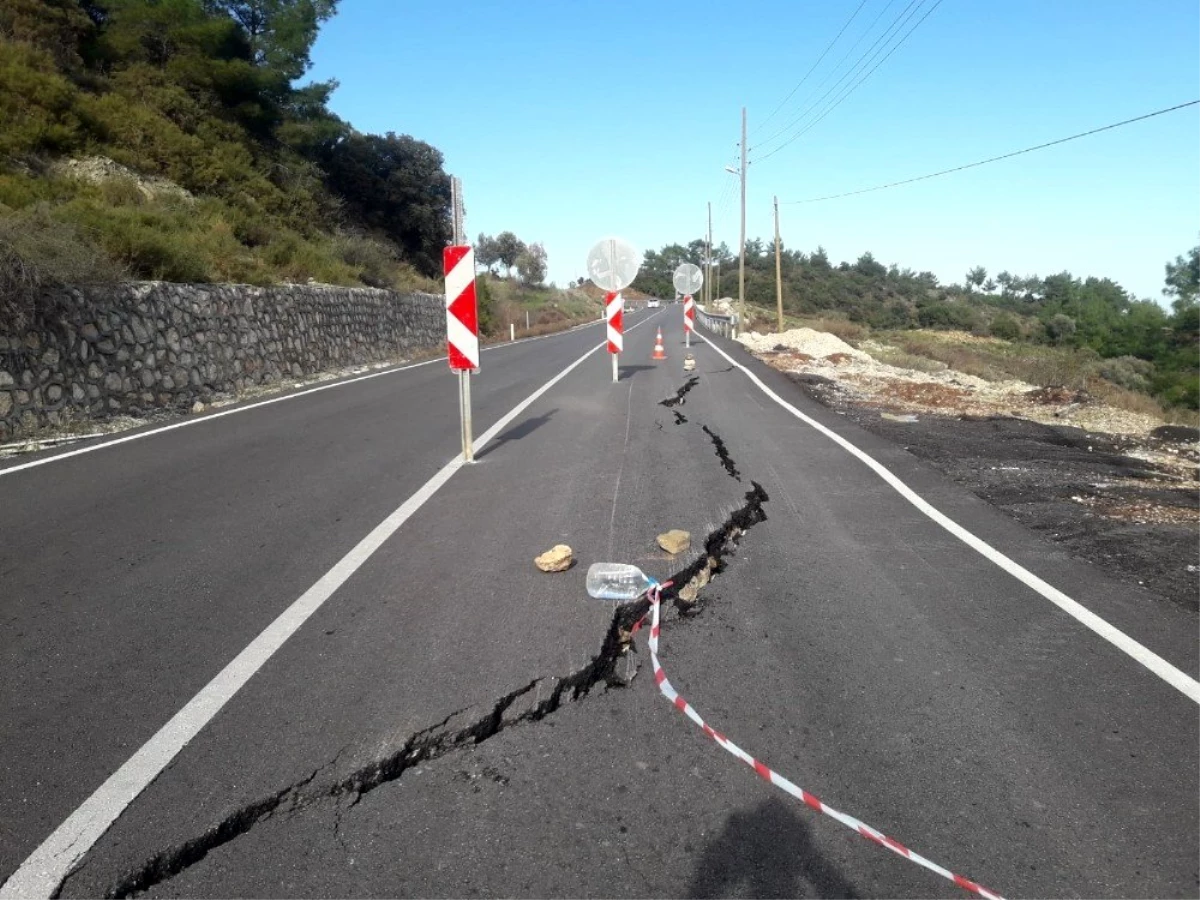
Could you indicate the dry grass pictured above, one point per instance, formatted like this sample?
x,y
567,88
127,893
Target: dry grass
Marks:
x,y
893,356
1122,398
853,333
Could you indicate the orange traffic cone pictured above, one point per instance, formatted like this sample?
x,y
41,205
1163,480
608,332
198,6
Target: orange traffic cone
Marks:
x,y
658,347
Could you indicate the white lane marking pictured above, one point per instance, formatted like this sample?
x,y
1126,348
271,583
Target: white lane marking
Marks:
x,y
1173,676
43,872
249,406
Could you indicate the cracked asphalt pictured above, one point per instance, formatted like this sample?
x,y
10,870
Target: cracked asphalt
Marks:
x,y
453,722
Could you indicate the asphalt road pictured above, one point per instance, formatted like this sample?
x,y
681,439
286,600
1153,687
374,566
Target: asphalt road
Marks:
x,y
450,722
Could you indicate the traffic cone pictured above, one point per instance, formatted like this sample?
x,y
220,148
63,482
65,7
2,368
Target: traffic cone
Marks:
x,y
658,347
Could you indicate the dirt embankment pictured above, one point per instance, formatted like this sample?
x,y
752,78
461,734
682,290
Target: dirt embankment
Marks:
x,y
1117,488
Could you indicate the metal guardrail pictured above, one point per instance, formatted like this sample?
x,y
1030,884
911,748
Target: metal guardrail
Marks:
x,y
726,326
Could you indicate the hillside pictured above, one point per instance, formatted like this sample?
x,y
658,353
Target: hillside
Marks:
x,y
168,139
1104,330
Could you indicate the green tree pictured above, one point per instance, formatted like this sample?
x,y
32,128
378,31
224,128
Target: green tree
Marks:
x,y
976,277
60,27
396,185
280,33
531,264
508,248
1183,278
486,252
869,266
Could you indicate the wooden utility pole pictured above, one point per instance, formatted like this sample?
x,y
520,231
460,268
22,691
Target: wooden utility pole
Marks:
x,y
778,274
742,241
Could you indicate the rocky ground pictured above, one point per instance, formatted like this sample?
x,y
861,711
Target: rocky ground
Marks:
x,y
1117,488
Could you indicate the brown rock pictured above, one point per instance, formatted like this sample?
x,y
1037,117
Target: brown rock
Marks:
x,y
558,558
675,541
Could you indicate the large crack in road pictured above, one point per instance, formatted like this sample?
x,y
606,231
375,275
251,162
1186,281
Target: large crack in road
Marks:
x,y
470,726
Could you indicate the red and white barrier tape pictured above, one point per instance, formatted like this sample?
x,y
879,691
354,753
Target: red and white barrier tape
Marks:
x,y
767,774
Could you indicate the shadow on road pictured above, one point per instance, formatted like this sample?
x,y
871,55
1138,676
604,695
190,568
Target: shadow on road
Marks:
x,y
625,372
522,429
766,852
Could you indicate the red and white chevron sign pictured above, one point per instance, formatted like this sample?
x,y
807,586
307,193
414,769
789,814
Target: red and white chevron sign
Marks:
x,y
614,305
462,316
689,313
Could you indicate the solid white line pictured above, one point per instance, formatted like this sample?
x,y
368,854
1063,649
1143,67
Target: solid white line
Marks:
x,y
249,406
1173,676
42,873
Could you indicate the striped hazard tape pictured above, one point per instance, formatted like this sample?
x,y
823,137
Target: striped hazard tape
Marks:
x,y
767,774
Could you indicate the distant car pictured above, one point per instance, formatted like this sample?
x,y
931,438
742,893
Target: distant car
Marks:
x,y
652,304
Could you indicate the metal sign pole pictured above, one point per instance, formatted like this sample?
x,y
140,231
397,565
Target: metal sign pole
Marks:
x,y
464,380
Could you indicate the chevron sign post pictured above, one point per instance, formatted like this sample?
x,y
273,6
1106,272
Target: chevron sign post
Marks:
x,y
612,264
614,310
462,317
462,331
687,280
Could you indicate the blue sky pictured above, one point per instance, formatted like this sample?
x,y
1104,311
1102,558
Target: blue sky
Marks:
x,y
571,121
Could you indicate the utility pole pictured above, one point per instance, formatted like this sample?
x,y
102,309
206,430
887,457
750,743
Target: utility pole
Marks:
x,y
742,242
708,262
778,274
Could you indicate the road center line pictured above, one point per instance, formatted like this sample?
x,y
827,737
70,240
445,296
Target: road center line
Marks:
x,y
43,872
1173,676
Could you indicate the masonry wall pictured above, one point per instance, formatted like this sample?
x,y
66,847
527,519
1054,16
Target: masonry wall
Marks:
x,y
134,349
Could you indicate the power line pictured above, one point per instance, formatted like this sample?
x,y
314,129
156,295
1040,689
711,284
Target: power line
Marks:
x,y
824,53
863,60
983,162
851,89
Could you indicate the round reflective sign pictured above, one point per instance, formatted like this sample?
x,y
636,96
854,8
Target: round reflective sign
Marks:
x,y
688,278
613,263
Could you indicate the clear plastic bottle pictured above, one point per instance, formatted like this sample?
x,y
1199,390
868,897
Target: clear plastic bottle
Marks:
x,y
617,581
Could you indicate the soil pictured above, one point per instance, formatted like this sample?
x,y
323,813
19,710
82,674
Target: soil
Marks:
x,y
1115,488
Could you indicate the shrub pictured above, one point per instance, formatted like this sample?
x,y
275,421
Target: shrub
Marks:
x,y
1005,327
1128,372
37,253
374,260
1059,328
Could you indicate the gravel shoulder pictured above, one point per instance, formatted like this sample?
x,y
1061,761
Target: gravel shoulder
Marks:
x,y
1113,487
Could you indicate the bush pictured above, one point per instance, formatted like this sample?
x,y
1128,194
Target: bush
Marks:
x,y
937,314
1128,372
1059,328
1005,327
374,260
37,253
152,241
37,105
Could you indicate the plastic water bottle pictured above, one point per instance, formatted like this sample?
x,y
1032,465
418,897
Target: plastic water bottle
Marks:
x,y
617,581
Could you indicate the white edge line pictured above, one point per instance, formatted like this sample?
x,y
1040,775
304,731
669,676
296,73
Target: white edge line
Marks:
x,y
41,874
79,451
1173,676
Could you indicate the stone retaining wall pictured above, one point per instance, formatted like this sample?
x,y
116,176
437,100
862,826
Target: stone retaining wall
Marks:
x,y
134,349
